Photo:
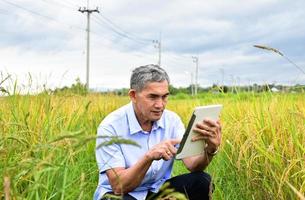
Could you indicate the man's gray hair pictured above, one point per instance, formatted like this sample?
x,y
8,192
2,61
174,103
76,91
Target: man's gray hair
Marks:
x,y
146,74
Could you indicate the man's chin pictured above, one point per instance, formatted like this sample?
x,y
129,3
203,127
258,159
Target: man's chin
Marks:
x,y
156,116
155,119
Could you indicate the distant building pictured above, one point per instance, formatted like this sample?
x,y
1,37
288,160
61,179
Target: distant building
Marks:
x,y
274,89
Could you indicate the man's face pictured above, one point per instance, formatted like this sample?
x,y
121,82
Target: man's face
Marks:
x,y
151,101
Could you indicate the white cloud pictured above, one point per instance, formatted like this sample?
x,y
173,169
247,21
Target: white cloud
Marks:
x,y
221,33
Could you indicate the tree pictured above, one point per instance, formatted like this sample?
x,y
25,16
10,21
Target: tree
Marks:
x,y
76,88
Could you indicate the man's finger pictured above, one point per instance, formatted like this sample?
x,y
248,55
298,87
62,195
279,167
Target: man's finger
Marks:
x,y
210,122
202,132
219,124
199,137
172,149
165,156
205,127
174,141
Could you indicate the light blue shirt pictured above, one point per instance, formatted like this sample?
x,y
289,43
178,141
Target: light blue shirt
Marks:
x,y
123,123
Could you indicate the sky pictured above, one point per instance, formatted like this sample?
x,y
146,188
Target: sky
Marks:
x,y
43,42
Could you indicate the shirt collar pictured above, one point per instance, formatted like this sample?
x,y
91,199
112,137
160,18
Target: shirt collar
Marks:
x,y
159,123
134,126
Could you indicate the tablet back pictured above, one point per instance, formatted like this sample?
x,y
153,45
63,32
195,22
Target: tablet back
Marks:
x,y
187,147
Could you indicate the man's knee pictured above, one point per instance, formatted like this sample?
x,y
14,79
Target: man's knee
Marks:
x,y
196,185
202,185
202,179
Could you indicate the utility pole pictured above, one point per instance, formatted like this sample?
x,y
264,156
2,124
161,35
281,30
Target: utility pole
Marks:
x,y
233,83
196,60
222,71
192,82
88,11
158,46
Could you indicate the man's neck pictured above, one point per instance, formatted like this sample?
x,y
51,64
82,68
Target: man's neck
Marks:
x,y
145,124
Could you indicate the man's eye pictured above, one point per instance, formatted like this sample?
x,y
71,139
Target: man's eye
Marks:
x,y
165,97
153,97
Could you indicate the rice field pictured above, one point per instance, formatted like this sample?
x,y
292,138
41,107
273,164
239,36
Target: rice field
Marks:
x,y
47,144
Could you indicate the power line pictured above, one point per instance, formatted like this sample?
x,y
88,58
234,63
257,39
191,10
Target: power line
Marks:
x,y
31,11
102,21
181,57
99,20
72,3
43,16
46,17
64,3
59,4
176,61
127,33
4,12
121,34
50,18
110,39
101,25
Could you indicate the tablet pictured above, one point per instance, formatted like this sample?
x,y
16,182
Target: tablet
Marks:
x,y
187,147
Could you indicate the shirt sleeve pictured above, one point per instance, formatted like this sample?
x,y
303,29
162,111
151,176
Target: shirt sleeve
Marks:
x,y
107,156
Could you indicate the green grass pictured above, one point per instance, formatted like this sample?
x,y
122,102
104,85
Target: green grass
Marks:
x,y
47,144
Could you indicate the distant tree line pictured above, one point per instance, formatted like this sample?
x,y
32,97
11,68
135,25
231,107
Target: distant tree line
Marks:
x,y
227,89
80,89
76,88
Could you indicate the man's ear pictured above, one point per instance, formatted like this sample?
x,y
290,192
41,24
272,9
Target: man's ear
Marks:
x,y
132,95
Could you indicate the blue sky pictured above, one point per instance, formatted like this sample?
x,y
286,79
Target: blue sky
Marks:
x,y
47,39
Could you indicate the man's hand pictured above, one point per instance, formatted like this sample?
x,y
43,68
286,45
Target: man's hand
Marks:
x,y
210,131
165,150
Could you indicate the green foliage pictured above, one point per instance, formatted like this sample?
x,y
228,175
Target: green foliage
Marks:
x,y
180,95
122,92
76,88
255,88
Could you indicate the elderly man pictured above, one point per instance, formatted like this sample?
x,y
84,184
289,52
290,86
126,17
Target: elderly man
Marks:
x,y
138,173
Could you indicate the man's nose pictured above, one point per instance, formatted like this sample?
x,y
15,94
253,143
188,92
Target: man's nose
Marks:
x,y
159,103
